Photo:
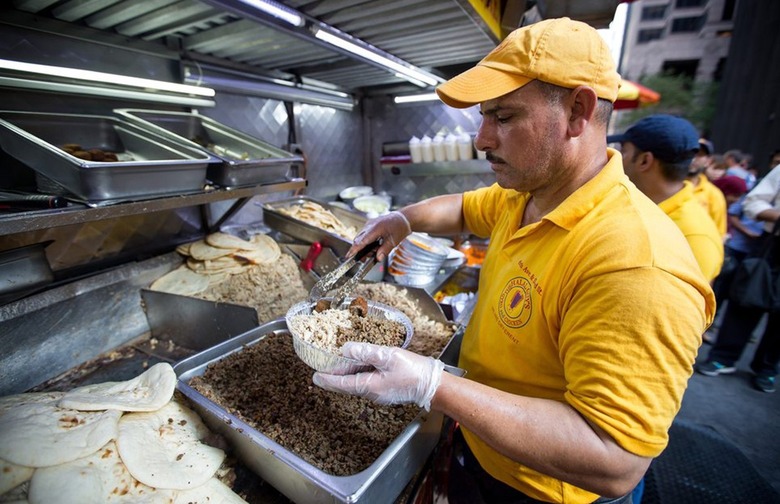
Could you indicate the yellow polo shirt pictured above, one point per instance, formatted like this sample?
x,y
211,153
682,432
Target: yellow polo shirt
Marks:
x,y
704,238
713,201
600,305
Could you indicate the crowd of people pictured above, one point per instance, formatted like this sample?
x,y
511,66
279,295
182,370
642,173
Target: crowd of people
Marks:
x,y
597,284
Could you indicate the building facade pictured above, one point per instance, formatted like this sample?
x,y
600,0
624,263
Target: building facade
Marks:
x,y
682,37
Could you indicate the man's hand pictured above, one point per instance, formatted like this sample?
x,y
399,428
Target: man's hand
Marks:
x,y
391,228
400,376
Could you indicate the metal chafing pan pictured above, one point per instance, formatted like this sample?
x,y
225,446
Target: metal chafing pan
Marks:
x,y
306,232
23,270
245,159
150,165
384,479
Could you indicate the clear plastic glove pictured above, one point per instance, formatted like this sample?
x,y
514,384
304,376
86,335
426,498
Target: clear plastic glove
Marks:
x,y
400,376
391,228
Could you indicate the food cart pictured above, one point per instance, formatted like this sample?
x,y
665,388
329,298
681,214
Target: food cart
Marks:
x,y
105,177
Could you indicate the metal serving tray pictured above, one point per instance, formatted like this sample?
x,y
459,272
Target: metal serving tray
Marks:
x,y
158,166
245,159
303,231
300,481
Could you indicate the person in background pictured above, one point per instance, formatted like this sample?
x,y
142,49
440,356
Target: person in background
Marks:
x,y
716,169
575,367
657,153
774,159
739,322
743,233
710,197
734,159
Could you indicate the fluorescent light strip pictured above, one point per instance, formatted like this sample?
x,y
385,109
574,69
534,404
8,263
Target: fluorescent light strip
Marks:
x,y
416,98
82,89
376,58
107,78
278,11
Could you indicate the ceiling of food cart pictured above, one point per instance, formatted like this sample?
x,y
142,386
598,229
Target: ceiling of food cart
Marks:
x,y
439,36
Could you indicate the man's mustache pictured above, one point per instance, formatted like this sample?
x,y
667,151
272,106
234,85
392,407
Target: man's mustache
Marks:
x,y
493,158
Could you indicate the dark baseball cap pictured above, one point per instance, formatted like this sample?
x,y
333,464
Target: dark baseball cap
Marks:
x,y
671,139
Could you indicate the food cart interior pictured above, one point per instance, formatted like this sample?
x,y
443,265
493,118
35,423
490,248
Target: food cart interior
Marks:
x,y
266,110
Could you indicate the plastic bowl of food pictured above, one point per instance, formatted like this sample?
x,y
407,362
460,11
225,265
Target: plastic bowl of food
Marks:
x,y
309,329
373,205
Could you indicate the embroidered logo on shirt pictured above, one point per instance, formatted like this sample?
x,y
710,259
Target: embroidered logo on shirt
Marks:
x,y
514,304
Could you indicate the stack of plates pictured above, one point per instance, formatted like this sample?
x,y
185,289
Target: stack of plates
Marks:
x,y
417,260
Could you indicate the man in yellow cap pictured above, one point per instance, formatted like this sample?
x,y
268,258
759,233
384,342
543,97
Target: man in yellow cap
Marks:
x,y
591,305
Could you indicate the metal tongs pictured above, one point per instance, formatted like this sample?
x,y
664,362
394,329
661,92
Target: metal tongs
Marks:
x,y
365,259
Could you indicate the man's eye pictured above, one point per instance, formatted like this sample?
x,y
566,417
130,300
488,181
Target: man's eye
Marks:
x,y
503,119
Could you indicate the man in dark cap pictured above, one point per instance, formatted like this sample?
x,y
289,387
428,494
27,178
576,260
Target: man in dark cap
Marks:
x,y
708,195
657,152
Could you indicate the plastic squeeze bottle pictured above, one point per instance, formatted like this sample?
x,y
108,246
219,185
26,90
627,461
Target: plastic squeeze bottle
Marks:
x,y
427,149
415,150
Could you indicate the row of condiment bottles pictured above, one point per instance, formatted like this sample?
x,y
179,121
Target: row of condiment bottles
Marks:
x,y
443,147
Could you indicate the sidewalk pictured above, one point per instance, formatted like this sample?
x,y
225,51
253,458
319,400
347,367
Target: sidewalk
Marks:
x,y
743,415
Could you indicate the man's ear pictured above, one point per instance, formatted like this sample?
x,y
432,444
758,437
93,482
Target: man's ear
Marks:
x,y
582,103
644,161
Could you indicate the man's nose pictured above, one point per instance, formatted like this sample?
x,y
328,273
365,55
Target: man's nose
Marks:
x,y
484,140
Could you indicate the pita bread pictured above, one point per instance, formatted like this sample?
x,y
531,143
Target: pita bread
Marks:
x,y
267,251
211,492
12,475
35,432
203,251
149,391
184,249
228,241
181,281
98,478
162,448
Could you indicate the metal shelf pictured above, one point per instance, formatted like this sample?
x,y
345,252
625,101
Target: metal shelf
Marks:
x,y
43,219
469,167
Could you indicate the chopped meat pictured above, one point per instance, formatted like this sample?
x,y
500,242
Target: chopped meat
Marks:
x,y
359,307
322,305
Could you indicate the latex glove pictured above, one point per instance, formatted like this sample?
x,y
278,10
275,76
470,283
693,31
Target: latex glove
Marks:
x,y
400,376
391,228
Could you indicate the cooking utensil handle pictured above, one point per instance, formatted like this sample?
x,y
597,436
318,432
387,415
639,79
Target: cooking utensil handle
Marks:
x,y
314,252
368,249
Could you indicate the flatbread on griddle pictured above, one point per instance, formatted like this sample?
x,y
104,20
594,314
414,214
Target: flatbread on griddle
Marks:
x,y
228,241
98,478
149,391
162,448
202,251
35,432
211,492
13,475
182,281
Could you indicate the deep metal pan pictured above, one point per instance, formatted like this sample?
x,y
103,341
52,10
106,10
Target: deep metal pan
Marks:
x,y
306,232
290,474
245,159
150,165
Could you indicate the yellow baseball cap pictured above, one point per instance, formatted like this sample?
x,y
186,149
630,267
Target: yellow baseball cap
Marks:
x,y
558,51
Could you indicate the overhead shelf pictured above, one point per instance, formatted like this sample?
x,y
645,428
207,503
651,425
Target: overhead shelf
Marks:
x,y
43,219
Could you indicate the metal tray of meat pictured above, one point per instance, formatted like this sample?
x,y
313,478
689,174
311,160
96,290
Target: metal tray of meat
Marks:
x,y
307,232
148,165
245,159
291,475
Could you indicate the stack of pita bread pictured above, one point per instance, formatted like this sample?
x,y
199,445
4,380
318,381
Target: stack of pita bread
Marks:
x,y
110,442
212,260
320,217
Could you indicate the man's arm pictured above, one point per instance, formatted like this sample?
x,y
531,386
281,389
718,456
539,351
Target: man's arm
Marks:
x,y
548,436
